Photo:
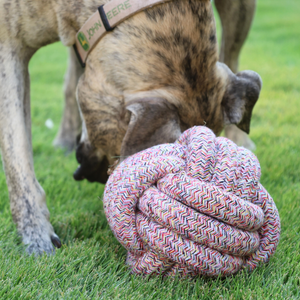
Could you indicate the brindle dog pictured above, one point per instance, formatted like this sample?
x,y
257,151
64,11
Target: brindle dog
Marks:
x,y
236,17
144,83
155,83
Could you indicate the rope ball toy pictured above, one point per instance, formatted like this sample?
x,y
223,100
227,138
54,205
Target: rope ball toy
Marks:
x,y
192,207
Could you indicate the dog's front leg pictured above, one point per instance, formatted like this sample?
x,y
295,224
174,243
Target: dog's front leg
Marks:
x,y
71,121
27,198
236,18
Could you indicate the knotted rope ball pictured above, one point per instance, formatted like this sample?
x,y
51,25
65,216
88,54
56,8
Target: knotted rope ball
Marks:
x,y
192,207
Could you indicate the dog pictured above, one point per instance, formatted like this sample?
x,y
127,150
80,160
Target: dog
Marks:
x,y
155,75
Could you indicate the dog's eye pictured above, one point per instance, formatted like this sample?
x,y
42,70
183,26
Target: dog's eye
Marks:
x,y
79,155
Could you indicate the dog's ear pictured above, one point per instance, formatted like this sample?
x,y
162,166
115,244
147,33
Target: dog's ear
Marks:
x,y
240,98
153,121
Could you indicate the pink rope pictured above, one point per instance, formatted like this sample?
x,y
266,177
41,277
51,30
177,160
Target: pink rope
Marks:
x,y
192,207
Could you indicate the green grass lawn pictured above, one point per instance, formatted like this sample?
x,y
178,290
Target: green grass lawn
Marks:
x,y
90,264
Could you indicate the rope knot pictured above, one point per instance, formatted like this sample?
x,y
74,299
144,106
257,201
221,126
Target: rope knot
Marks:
x,y
192,207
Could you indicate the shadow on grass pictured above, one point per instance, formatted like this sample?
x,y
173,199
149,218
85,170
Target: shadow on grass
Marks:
x,y
83,225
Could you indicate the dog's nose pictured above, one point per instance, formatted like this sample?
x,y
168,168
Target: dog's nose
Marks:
x,y
91,167
77,175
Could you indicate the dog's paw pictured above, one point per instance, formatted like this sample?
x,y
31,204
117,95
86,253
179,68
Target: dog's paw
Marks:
x,y
41,245
39,237
239,137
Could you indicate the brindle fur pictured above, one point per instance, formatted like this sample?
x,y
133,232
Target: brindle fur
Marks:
x,y
142,62
155,75
236,17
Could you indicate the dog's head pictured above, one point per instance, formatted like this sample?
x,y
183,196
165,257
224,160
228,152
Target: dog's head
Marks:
x,y
152,78
114,128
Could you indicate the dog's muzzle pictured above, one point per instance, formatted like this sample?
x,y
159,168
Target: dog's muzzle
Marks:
x,y
90,166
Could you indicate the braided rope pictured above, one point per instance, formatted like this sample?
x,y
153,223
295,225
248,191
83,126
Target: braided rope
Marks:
x,y
193,207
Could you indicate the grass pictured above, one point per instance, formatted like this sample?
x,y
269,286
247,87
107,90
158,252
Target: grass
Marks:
x,y
90,264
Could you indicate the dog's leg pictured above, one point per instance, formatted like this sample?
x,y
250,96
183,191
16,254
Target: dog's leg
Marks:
x,y
71,122
236,18
27,197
